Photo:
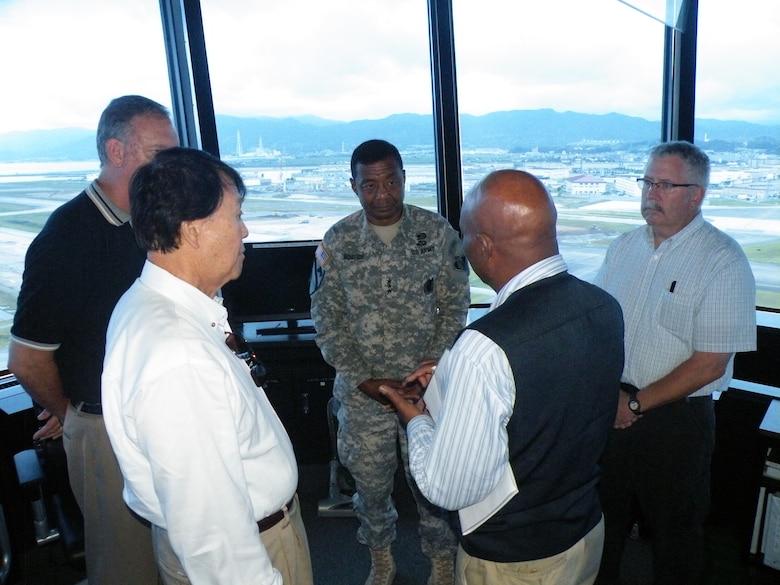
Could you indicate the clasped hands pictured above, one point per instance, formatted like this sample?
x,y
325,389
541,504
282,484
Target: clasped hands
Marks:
x,y
406,397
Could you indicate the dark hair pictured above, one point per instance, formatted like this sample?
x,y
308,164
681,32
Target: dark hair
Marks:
x,y
372,151
116,118
694,157
177,185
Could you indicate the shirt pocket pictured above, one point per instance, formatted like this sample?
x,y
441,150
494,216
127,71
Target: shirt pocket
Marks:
x,y
675,313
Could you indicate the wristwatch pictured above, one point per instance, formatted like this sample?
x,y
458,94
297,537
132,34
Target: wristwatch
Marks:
x,y
633,404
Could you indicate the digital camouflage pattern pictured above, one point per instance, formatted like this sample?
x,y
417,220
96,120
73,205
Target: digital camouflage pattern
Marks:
x,y
379,310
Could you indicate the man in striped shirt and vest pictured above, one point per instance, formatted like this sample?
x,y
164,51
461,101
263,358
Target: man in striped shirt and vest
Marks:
x,y
523,403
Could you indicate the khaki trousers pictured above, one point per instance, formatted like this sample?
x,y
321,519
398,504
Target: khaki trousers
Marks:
x,y
286,544
578,565
117,543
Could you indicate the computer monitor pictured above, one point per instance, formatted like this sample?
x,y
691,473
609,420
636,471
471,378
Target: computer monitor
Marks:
x,y
274,284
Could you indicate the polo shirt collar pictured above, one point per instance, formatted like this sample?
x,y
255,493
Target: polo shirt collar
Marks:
x,y
108,209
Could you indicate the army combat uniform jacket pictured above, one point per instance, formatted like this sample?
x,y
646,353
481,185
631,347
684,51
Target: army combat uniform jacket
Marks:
x,y
381,309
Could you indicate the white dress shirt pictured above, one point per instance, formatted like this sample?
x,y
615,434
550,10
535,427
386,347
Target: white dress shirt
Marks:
x,y
202,451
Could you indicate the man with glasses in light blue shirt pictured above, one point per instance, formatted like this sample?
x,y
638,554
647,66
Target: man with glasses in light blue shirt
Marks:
x,y
688,298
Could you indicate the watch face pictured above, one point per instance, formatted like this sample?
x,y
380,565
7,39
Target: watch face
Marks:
x,y
633,405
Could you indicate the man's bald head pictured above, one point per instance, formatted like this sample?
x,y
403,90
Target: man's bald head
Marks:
x,y
508,223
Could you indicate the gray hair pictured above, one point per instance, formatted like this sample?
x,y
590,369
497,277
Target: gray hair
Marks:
x,y
694,158
116,119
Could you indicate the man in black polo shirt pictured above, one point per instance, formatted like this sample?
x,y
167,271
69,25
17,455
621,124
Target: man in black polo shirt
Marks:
x,y
75,271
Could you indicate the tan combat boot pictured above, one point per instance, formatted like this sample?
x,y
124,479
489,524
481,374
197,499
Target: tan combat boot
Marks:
x,y
382,567
442,571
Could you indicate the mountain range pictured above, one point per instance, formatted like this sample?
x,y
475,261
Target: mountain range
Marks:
x,y
516,130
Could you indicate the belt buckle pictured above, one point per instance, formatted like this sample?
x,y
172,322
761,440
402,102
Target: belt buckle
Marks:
x,y
89,407
270,521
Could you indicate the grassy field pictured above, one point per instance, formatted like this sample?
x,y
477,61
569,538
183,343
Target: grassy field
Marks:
x,y
768,251
29,222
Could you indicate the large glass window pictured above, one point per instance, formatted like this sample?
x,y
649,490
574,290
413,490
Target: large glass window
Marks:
x,y
297,85
571,92
574,92
62,63
738,123
566,89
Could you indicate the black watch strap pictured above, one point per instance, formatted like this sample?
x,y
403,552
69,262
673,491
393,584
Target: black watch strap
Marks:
x,y
633,404
633,401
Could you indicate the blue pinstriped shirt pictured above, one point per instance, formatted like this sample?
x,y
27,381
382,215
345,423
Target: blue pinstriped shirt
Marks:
x,y
458,455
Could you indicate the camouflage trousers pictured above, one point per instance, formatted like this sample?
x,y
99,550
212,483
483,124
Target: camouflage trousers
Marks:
x,y
369,441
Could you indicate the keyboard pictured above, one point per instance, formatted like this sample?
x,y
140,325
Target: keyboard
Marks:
x,y
302,330
13,398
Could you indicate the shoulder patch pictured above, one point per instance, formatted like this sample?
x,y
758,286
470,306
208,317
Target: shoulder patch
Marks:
x,y
322,255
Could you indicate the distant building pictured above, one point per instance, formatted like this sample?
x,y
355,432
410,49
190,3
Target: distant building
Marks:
x,y
627,186
259,152
585,185
547,171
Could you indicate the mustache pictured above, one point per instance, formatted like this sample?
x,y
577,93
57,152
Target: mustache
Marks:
x,y
652,207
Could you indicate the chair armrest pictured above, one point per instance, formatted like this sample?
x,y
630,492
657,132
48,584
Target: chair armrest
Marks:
x,y
28,468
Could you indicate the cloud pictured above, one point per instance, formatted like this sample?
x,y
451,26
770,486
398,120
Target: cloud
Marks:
x,y
343,60
66,60
354,59
737,63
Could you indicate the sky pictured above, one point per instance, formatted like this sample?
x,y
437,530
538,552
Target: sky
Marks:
x,y
62,62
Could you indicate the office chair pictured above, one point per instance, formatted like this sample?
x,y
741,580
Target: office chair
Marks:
x,y
337,503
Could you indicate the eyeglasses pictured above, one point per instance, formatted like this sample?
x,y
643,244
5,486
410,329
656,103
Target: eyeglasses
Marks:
x,y
647,184
241,348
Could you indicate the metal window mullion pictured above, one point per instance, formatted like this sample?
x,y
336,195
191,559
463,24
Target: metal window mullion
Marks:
x,y
679,87
446,124
179,77
188,71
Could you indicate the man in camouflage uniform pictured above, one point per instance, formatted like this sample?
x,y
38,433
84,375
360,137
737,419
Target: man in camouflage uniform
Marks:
x,y
391,291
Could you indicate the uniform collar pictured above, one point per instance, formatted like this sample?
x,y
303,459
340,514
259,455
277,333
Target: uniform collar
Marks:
x,y
371,238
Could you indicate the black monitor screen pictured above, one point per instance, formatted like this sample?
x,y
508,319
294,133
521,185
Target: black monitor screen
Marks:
x,y
274,283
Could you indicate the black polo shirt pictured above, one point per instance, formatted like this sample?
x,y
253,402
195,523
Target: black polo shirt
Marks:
x,y
75,270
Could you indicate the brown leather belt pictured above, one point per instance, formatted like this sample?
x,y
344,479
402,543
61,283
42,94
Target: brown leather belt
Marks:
x,y
270,521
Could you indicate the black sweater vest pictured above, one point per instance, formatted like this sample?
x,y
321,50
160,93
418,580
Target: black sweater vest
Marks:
x,y
564,341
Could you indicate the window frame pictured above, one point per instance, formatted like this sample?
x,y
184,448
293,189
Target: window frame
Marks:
x,y
194,110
